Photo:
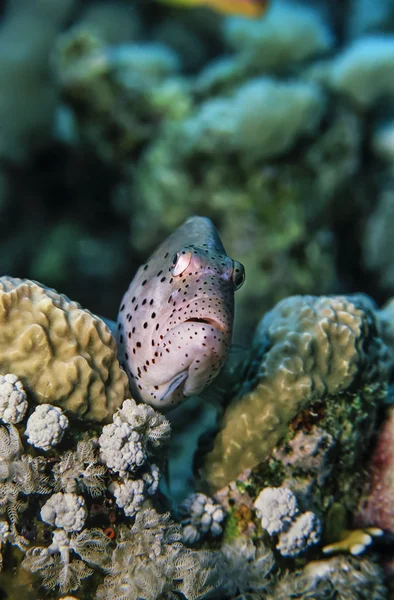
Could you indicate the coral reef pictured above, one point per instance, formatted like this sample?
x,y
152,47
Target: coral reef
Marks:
x,y
134,116
305,350
62,353
136,433
150,561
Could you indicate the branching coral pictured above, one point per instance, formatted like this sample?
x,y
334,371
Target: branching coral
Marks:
x,y
262,119
62,353
56,564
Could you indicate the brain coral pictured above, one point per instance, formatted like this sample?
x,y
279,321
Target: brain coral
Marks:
x,y
306,349
63,354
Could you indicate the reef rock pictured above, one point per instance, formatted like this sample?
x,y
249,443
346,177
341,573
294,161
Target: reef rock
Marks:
x,y
63,354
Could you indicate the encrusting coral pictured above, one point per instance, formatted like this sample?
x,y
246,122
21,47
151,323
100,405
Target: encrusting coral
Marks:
x,y
63,354
305,350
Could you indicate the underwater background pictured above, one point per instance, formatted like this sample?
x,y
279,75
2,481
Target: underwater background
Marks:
x,y
120,119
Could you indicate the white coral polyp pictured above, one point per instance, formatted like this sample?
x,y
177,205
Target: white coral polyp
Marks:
x,y
151,479
65,511
276,508
46,426
304,532
121,447
201,515
129,495
13,399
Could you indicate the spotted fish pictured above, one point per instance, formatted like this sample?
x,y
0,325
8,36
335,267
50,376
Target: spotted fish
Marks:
x,y
175,321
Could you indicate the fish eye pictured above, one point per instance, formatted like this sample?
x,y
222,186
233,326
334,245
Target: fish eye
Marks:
x,y
238,275
180,262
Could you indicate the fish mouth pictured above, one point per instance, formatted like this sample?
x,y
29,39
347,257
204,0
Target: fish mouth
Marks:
x,y
207,321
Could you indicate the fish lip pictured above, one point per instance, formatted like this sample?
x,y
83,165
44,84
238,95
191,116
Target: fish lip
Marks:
x,y
207,321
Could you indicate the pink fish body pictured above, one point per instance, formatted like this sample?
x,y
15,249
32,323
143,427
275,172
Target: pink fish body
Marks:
x,y
175,321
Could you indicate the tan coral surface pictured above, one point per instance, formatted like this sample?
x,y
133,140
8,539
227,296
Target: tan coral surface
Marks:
x,y
63,354
306,349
